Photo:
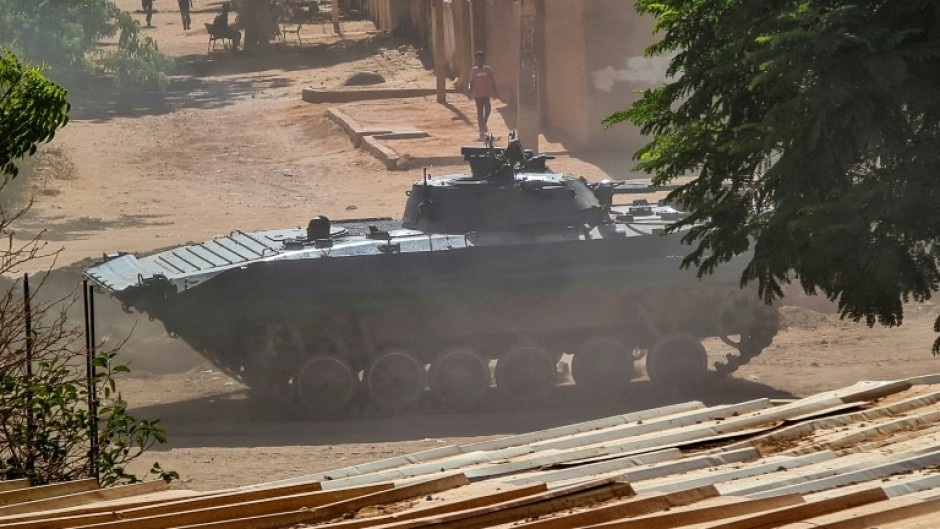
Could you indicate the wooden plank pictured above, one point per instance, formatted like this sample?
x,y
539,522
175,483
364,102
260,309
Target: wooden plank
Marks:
x,y
912,485
47,491
877,392
587,426
777,481
874,472
519,509
925,380
685,517
445,508
109,506
489,446
651,471
334,510
168,505
722,475
876,431
496,515
13,484
803,511
797,431
83,498
642,427
214,507
575,463
629,508
748,424
887,516
429,469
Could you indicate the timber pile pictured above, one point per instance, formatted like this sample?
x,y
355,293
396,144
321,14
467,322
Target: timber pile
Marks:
x,y
860,457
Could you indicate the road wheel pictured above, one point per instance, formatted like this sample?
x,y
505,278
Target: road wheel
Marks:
x,y
460,377
602,366
525,373
395,379
678,360
324,385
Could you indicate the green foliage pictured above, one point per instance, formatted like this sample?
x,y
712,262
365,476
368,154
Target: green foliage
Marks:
x,y
45,433
814,129
137,63
66,36
31,109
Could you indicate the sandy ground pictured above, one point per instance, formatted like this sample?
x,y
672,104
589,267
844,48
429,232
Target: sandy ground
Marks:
x,y
232,145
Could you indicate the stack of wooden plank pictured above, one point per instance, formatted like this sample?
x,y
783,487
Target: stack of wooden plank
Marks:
x,y
856,458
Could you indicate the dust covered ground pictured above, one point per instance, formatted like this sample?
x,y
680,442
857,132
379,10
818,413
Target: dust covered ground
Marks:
x,y
230,144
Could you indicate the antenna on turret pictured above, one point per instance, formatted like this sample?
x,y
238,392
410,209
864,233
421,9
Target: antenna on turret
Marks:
x,y
427,190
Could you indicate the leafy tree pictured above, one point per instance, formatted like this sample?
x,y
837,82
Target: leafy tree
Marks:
x,y
814,129
65,35
31,109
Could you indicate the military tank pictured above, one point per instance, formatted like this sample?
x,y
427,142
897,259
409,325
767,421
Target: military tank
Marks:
x,y
489,277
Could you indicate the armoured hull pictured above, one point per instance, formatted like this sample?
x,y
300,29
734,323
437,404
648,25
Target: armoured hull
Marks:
x,y
261,321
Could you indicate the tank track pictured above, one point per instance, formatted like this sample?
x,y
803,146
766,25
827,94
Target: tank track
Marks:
x,y
360,385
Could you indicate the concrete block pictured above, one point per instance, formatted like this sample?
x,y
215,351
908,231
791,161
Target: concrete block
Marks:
x,y
348,95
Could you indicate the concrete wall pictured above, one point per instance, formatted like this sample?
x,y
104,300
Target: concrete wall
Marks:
x,y
591,64
564,73
502,45
390,15
616,67
401,13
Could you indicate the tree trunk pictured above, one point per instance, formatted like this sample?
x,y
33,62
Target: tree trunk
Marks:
x,y
335,9
440,56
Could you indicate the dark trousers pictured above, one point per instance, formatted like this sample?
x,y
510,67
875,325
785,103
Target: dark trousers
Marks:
x,y
230,33
147,5
484,108
184,14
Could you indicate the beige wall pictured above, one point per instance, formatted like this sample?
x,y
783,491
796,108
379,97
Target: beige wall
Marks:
x,y
564,72
502,46
592,64
616,67
391,14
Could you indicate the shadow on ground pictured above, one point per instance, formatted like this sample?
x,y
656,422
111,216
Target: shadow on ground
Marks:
x,y
54,229
220,78
237,420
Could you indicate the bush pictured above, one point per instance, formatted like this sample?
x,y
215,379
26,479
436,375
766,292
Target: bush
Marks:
x,y
65,35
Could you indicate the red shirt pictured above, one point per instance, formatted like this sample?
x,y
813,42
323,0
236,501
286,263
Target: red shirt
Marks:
x,y
482,82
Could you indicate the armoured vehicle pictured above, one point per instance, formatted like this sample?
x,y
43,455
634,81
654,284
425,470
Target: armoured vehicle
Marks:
x,y
512,265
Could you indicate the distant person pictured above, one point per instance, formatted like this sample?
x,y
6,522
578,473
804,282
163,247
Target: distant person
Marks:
x,y
220,26
185,5
482,89
147,6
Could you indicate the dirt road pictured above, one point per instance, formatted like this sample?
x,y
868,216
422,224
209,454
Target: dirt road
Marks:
x,y
232,145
